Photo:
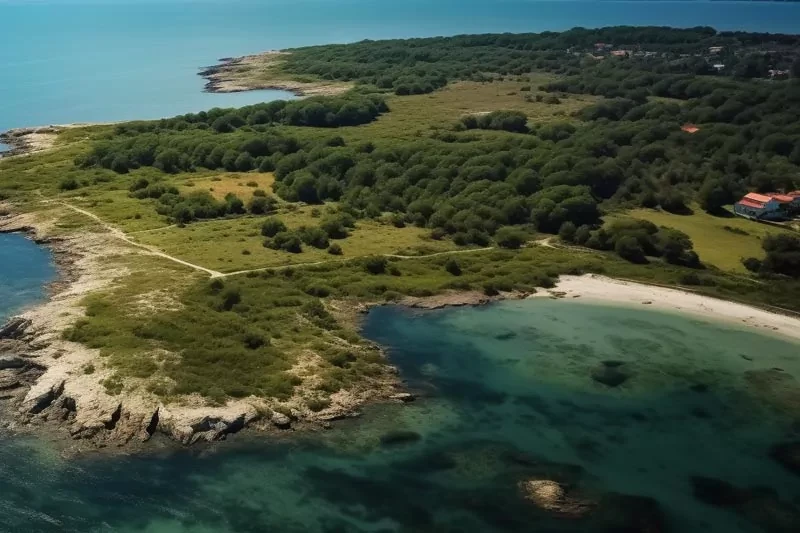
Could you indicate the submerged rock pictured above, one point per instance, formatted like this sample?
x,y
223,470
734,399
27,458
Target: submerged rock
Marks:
x,y
404,397
398,437
788,455
611,373
551,496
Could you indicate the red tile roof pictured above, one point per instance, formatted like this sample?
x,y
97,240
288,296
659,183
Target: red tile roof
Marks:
x,y
793,194
782,198
755,197
751,203
690,128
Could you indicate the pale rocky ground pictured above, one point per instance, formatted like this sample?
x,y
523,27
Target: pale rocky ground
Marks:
x,y
260,72
57,391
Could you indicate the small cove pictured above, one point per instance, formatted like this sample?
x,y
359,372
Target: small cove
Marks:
x,y
506,394
25,269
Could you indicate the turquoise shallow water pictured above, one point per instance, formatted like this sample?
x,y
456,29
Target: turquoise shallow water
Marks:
x,y
25,268
506,396
103,60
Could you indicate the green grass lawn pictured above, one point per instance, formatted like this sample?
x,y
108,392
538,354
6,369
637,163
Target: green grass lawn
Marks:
x,y
716,239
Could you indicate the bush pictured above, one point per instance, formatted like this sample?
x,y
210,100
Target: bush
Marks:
x,y
272,226
452,266
260,205
286,241
376,265
315,237
68,184
567,232
230,297
335,249
254,340
752,264
510,238
628,248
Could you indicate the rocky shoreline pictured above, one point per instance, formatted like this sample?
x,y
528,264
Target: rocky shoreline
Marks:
x,y
230,75
28,140
45,387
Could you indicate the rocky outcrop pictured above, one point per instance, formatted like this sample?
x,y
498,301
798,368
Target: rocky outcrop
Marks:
x,y
14,328
204,424
552,497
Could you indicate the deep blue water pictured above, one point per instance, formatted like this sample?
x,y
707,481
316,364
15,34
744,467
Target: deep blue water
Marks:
x,y
25,268
506,397
104,60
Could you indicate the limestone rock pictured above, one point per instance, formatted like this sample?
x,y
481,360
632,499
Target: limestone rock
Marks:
x,y
14,328
281,421
404,397
551,496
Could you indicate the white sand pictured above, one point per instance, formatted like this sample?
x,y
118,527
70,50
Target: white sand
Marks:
x,y
608,290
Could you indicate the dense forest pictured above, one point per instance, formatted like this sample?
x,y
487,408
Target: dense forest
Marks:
x,y
627,150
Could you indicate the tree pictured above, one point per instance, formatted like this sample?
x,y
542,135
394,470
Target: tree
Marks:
x,y
627,247
508,237
567,232
168,161
245,162
272,226
713,195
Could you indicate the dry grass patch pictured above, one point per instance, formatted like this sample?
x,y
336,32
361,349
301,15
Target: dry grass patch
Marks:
x,y
239,183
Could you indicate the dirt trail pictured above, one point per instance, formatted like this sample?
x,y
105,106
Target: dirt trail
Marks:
x,y
119,234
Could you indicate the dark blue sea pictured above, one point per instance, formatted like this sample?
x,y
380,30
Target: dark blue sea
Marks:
x,y
65,61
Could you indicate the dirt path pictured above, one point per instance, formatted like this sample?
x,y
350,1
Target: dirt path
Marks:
x,y
119,234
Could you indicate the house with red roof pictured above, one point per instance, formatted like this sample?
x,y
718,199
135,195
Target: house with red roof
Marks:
x,y
762,206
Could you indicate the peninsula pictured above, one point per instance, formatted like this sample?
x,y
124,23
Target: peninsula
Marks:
x,y
215,265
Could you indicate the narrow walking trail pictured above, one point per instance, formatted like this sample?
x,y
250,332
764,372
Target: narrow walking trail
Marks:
x,y
119,234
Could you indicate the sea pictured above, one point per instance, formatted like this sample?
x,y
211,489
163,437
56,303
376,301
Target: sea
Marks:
x,y
507,394
65,61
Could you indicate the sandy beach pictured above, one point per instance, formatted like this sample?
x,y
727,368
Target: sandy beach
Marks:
x,y
602,289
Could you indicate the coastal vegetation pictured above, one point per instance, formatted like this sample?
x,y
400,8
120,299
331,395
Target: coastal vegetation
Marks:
x,y
489,164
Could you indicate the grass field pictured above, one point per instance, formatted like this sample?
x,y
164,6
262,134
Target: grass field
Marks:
x,y
238,183
415,116
237,244
720,241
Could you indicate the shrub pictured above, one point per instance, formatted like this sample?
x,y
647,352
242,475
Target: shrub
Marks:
x,y
272,226
286,241
230,297
627,247
567,232
510,238
68,184
335,249
315,237
452,266
260,192
259,205
752,264
254,340
375,265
